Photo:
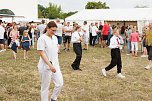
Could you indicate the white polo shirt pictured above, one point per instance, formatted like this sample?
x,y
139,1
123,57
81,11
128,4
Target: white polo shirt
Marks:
x,y
41,28
50,47
75,38
68,28
114,41
2,31
94,31
59,29
86,28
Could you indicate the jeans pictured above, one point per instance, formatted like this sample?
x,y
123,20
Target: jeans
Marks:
x,y
128,47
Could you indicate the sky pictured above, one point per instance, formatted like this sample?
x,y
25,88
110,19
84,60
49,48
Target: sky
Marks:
x,y
78,5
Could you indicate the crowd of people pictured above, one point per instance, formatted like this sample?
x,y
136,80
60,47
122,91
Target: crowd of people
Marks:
x,y
50,37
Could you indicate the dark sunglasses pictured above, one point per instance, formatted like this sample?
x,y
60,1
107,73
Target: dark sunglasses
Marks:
x,y
53,30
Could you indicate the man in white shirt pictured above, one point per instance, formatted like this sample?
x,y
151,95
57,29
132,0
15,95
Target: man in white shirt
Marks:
x,y
85,29
94,33
59,31
68,31
48,65
41,27
2,31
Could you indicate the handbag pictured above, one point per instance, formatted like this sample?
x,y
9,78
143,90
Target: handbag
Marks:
x,y
17,43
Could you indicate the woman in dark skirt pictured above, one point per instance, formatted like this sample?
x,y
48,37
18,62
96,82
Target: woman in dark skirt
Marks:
x,y
14,35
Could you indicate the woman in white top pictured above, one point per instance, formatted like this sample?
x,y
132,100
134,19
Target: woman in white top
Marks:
x,y
48,65
115,54
77,47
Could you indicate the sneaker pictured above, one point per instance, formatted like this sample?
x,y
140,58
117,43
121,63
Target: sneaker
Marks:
x,y
3,50
127,54
120,76
143,56
53,100
147,67
103,71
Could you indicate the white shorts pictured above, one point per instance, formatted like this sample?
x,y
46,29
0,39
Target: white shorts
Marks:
x,y
86,39
134,46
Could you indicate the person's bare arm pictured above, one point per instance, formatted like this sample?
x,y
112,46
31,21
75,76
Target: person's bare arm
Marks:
x,y
43,56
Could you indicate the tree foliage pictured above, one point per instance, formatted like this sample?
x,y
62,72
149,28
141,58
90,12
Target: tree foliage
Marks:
x,y
52,12
96,5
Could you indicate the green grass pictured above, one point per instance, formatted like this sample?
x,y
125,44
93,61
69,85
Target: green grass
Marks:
x,y
19,79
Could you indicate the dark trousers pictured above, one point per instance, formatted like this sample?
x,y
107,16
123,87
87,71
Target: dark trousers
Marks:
x,y
94,40
149,51
115,60
90,41
78,51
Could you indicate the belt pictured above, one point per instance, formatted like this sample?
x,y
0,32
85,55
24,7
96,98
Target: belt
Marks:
x,y
115,48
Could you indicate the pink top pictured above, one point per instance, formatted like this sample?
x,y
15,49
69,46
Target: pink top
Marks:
x,y
14,35
134,37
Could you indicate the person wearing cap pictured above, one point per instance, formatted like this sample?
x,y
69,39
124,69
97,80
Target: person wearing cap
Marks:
x,y
48,66
2,31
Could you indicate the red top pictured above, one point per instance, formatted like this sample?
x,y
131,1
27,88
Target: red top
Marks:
x,y
105,29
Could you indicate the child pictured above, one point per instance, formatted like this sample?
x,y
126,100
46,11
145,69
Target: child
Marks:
x,y
115,54
25,43
134,38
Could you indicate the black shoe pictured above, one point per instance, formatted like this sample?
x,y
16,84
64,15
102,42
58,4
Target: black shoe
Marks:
x,y
84,49
73,67
65,49
79,69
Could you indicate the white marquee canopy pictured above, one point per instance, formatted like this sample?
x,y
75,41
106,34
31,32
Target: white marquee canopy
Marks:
x,y
142,15
125,14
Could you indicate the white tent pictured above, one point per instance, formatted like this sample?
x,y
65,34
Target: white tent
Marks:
x,y
127,14
142,15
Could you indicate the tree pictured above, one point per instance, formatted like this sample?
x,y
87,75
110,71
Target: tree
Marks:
x,y
52,12
96,5
41,11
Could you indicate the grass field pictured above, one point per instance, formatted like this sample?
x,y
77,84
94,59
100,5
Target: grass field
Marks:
x,y
19,79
